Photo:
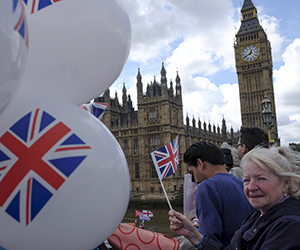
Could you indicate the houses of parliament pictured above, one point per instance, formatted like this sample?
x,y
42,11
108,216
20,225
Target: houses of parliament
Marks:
x,y
159,117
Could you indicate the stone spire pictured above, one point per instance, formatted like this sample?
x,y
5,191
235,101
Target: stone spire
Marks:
x,y
163,76
124,97
178,85
139,86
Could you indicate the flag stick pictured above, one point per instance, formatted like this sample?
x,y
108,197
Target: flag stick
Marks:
x,y
165,194
159,177
173,151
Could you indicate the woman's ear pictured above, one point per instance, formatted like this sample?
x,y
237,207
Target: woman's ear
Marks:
x,y
286,185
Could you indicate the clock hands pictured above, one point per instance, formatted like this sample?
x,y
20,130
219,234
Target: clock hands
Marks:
x,y
248,54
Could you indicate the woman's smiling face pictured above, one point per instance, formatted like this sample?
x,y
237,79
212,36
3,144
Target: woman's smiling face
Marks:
x,y
263,188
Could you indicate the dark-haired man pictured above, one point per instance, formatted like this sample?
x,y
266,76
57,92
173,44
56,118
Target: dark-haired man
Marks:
x,y
250,138
221,205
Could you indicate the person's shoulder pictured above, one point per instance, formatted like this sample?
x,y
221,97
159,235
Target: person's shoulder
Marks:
x,y
288,206
212,181
290,218
208,184
236,179
290,222
284,212
219,180
227,177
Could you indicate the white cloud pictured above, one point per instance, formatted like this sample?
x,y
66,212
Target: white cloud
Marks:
x,y
212,103
196,39
287,92
156,24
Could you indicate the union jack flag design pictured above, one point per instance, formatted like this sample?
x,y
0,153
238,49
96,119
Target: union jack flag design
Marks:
x,y
95,108
21,25
40,4
166,159
37,154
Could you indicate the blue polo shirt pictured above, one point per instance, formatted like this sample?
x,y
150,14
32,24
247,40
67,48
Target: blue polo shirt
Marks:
x,y
221,206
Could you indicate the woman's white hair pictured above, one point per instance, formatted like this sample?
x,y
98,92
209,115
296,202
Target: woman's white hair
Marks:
x,y
283,162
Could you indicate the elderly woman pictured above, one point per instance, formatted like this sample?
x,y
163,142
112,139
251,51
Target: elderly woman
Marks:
x,y
271,184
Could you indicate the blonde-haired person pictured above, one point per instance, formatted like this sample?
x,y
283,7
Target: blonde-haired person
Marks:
x,y
272,186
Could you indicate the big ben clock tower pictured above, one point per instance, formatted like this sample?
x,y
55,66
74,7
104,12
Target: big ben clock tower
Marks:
x,y
254,69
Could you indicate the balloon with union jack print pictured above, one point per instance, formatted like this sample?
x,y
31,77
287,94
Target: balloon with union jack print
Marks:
x,y
64,180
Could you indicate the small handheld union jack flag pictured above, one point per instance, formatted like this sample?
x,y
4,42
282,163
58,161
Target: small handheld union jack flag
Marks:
x,y
95,108
166,159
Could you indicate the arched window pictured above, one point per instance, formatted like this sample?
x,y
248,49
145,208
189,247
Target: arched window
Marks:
x,y
137,171
154,142
136,146
126,147
153,114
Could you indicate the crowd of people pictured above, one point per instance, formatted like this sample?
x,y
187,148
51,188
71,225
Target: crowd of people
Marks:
x,y
252,203
247,196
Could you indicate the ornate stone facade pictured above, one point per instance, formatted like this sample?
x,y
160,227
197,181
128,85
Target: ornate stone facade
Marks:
x,y
156,122
254,68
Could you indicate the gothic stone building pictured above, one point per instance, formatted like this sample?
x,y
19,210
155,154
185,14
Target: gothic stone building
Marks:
x,y
159,115
156,122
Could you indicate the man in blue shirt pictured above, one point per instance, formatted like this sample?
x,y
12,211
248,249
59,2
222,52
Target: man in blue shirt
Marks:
x,y
221,204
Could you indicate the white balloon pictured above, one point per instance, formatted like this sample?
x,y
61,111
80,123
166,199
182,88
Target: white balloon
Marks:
x,y
13,48
78,48
64,180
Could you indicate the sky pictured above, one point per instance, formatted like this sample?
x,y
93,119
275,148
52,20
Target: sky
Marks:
x,y
196,39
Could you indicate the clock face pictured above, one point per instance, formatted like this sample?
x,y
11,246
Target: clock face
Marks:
x,y
250,53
